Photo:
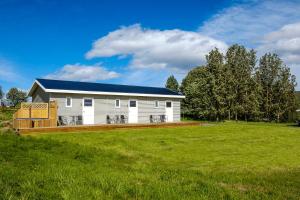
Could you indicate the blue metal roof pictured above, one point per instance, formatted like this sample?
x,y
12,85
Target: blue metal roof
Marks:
x,y
102,87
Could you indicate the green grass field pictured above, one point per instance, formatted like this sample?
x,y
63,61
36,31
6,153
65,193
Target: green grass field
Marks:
x,y
220,161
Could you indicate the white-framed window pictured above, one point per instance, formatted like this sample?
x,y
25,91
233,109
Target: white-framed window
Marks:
x,y
68,102
156,104
88,102
132,103
169,104
118,103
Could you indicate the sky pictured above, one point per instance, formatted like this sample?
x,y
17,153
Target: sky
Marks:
x,y
136,42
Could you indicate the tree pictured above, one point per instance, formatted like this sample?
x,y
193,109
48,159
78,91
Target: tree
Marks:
x,y
277,87
197,100
16,96
172,84
239,70
1,93
251,93
216,82
235,85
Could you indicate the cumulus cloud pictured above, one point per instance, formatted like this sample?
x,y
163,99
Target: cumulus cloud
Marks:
x,y
158,49
285,42
267,26
246,23
80,72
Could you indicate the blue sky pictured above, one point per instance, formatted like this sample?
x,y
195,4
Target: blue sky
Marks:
x,y
136,42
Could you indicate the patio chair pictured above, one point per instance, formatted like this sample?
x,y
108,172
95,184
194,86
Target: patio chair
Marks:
x,y
123,119
62,121
117,119
73,120
59,121
157,119
151,119
108,119
163,118
79,120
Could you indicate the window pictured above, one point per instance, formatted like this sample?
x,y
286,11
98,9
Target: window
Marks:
x,y
88,102
68,102
117,103
156,104
132,103
169,104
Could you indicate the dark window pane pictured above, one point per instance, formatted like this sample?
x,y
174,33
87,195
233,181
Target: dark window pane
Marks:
x,y
168,104
132,103
117,103
68,101
88,102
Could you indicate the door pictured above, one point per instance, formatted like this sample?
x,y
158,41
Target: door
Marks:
x,y
169,111
88,111
133,111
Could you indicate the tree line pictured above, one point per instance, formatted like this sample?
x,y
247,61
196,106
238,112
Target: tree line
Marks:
x,y
236,86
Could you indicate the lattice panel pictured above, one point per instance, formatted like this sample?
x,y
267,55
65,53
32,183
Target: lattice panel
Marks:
x,y
32,115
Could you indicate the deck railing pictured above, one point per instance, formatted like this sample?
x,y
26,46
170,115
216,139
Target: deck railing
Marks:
x,y
31,115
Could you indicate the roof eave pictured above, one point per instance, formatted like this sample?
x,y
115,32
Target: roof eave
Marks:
x,y
33,87
113,93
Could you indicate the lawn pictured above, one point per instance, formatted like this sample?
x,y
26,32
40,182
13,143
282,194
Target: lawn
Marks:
x,y
220,161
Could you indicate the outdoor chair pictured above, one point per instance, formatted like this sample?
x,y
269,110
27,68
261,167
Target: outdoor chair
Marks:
x,y
117,119
108,119
79,120
151,119
73,120
163,118
62,121
123,119
59,121
157,119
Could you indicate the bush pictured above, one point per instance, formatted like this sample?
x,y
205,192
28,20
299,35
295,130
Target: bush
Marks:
x,y
6,113
7,130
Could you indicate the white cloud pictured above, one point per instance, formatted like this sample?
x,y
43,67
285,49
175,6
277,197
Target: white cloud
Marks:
x,y
157,49
246,23
80,72
267,26
285,42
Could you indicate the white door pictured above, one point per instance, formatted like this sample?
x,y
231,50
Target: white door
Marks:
x,y
169,111
132,111
88,111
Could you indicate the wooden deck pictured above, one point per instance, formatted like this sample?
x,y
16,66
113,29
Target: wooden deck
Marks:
x,y
103,127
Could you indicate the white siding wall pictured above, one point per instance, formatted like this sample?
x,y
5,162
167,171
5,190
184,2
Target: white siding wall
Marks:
x,y
105,105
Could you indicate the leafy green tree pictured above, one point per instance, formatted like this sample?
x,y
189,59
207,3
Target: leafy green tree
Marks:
x,y
197,100
235,86
172,84
240,83
278,87
251,90
216,82
16,96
